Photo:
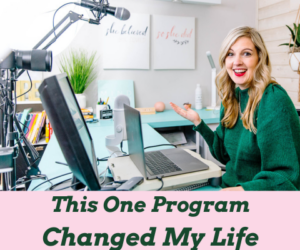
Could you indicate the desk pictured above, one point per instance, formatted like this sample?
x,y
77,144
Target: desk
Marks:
x,y
105,127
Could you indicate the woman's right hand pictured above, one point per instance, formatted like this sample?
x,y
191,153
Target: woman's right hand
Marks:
x,y
188,113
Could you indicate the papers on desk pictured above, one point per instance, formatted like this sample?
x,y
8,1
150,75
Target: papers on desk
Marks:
x,y
176,138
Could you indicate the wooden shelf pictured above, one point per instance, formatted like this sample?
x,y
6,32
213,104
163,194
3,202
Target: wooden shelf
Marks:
x,y
41,142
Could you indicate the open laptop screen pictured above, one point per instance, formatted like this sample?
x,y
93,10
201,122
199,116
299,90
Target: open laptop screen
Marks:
x,y
135,138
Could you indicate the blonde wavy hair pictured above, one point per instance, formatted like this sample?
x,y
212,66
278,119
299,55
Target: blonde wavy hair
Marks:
x,y
261,79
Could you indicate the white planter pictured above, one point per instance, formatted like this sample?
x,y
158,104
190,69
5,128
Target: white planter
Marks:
x,y
81,99
294,62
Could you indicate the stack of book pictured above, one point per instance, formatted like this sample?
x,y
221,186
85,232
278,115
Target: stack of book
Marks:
x,y
88,114
35,125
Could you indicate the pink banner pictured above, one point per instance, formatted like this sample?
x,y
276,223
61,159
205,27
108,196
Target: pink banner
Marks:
x,y
152,220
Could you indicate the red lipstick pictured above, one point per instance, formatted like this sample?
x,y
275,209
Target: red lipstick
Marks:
x,y
239,73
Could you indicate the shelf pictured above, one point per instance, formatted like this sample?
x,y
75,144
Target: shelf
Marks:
x,y
41,142
29,102
209,2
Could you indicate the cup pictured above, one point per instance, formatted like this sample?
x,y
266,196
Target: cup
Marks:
x,y
99,108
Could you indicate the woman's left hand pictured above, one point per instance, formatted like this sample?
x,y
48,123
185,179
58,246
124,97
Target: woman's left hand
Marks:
x,y
239,188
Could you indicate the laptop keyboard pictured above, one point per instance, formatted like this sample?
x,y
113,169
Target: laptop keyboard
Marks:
x,y
157,163
192,187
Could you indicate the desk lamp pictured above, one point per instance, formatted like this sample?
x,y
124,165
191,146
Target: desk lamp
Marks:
x,y
111,141
213,83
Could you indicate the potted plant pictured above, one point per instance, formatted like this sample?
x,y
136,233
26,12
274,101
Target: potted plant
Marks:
x,y
80,68
294,47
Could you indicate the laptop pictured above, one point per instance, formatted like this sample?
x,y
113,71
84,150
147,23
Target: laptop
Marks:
x,y
153,164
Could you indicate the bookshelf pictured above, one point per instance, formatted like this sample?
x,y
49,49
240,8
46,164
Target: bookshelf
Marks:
x,y
29,102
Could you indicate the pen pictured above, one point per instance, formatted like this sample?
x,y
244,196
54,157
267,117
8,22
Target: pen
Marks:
x,y
107,100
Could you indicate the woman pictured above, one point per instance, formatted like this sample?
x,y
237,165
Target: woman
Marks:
x,y
259,133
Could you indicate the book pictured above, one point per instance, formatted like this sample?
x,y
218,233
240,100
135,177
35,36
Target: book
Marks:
x,y
50,130
38,126
41,127
35,128
30,125
87,111
47,130
27,123
24,117
88,117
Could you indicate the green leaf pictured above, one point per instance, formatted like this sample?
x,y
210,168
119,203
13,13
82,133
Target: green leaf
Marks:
x,y
298,36
287,44
80,68
292,32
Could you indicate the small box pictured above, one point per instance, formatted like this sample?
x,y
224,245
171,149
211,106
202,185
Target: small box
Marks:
x,y
106,114
147,111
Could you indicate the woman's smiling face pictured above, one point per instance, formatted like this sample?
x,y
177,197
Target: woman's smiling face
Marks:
x,y
241,61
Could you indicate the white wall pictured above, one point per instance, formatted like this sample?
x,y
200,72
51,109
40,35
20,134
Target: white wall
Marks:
x,y
273,16
213,22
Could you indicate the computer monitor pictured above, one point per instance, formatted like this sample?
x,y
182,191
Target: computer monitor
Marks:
x,y
70,129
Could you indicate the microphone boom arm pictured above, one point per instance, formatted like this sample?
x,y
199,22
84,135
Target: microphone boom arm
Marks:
x,y
73,18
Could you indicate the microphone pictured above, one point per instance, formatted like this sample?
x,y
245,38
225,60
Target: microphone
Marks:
x,y
119,13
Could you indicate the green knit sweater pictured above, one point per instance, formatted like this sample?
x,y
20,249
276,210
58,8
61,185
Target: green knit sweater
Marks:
x,y
268,160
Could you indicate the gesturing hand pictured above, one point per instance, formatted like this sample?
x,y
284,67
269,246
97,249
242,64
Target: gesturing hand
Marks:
x,y
238,188
188,113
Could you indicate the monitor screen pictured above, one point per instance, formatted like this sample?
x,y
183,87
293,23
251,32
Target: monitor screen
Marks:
x,y
76,115
70,129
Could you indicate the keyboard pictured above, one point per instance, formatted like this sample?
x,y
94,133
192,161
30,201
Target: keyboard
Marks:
x,y
157,163
192,187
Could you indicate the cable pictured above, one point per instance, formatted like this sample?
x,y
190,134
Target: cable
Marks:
x,y
103,159
125,154
54,18
68,186
104,178
23,125
103,172
15,94
50,180
160,145
51,188
55,185
27,90
58,162
121,146
162,182
25,182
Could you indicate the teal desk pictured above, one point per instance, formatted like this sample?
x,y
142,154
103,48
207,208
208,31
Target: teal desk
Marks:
x,y
169,118
103,128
